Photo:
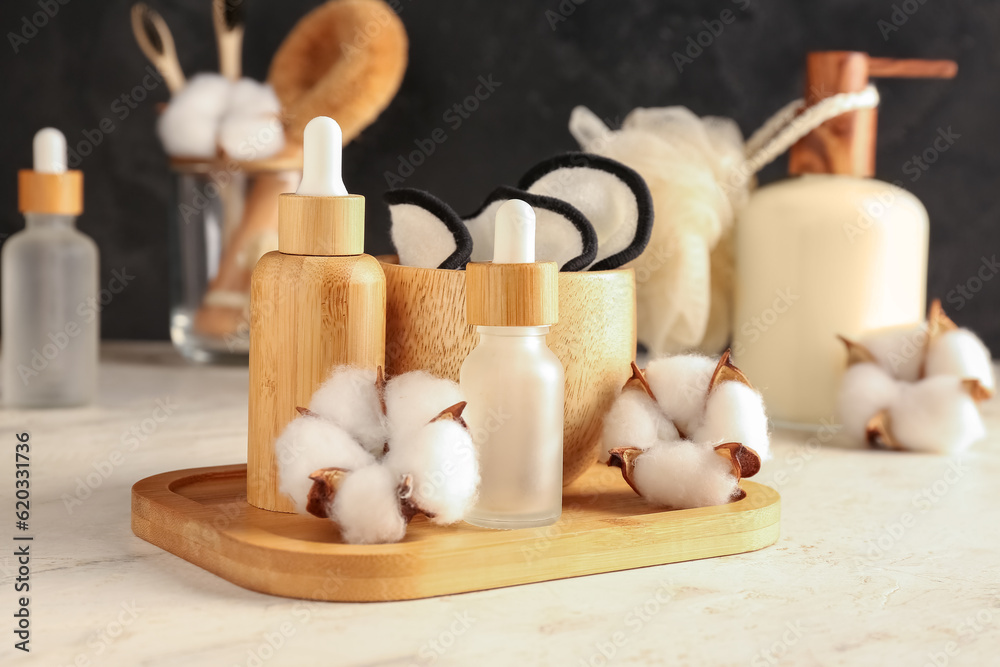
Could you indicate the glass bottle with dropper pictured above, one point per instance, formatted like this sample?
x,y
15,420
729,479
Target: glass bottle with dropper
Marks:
x,y
51,316
514,384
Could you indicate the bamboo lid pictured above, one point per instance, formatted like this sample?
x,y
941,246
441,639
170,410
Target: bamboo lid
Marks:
x,y
321,226
39,192
512,295
846,144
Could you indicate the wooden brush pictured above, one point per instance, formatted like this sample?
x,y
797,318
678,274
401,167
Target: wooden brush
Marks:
x,y
155,40
229,22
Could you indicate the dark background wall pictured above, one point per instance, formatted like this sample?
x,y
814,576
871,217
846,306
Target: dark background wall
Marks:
x,y
609,55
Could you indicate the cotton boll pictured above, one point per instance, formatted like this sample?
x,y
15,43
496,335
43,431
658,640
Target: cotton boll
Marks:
x,y
442,459
251,137
735,413
189,125
899,350
865,390
684,474
350,399
309,444
962,354
413,399
367,507
635,420
935,415
680,384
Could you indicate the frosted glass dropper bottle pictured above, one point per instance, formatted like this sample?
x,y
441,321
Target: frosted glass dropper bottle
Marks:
x,y
514,384
50,275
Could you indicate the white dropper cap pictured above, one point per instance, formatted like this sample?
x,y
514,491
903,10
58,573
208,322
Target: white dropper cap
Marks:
x,y
49,148
514,236
322,147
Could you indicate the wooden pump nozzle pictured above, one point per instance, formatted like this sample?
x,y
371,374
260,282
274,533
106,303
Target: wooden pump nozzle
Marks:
x,y
846,144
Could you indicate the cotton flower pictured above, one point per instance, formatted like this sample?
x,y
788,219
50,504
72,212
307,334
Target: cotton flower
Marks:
x,y
307,444
685,431
351,397
916,388
367,507
413,399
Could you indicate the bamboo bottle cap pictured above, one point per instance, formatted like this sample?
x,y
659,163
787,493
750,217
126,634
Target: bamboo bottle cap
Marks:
x,y
513,290
846,144
50,187
321,219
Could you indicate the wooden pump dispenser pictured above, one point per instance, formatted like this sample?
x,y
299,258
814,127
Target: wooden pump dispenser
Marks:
x,y
830,252
315,303
846,144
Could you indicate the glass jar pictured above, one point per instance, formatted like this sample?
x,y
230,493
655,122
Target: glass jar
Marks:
x,y
224,219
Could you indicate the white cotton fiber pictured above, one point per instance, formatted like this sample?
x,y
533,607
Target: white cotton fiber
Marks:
x,y
367,507
413,399
189,125
683,475
735,413
899,350
309,444
251,128
442,459
680,384
935,415
635,420
350,399
962,354
865,390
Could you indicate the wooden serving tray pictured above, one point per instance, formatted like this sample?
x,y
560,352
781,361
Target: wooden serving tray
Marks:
x,y
202,516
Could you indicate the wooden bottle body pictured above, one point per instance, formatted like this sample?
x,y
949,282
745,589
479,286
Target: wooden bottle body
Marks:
x,y
308,314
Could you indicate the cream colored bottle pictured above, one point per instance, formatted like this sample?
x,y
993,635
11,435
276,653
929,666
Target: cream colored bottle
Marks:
x,y
514,384
315,303
830,251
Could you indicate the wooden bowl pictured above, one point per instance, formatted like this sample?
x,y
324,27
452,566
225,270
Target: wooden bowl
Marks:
x,y
594,339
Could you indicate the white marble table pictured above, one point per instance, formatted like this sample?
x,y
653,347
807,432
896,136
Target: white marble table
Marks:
x,y
883,559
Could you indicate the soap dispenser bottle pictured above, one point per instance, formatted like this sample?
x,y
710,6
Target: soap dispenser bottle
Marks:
x,y
514,384
830,251
51,315
315,303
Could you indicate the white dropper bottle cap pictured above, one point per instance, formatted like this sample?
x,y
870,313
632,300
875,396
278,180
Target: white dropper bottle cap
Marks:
x,y
514,235
322,148
49,148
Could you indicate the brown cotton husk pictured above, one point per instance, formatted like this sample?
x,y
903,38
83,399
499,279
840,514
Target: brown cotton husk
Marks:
x,y
380,387
326,481
857,353
744,460
878,431
938,323
452,413
306,412
624,458
725,371
638,381
407,507
974,388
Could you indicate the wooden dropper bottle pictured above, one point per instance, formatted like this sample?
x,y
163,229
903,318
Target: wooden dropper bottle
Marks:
x,y
315,303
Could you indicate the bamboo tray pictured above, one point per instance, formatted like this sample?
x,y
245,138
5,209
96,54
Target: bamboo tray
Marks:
x,y
202,516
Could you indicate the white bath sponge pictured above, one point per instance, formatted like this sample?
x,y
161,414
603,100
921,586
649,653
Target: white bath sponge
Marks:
x,y
189,126
367,507
935,415
251,128
443,462
635,420
680,384
683,474
413,399
350,398
866,389
309,444
735,413
962,354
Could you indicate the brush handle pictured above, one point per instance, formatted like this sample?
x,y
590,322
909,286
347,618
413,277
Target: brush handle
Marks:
x,y
164,57
230,41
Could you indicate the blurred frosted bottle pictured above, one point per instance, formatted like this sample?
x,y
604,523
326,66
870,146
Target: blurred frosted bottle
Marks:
x,y
50,287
